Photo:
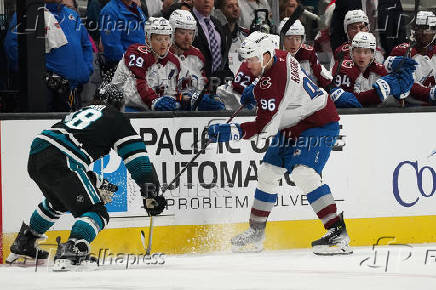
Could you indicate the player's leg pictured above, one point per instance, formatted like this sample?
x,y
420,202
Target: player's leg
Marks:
x,y
336,240
306,168
81,198
265,196
40,167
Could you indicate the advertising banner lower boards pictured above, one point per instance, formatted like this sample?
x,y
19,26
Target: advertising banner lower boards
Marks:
x,y
381,168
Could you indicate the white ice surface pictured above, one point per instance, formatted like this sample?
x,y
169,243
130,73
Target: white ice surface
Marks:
x,y
407,268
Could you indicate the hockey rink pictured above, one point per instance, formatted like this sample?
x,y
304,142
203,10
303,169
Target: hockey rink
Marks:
x,y
387,267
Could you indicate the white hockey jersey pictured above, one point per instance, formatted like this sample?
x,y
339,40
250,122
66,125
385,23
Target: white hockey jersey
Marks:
x,y
144,78
192,74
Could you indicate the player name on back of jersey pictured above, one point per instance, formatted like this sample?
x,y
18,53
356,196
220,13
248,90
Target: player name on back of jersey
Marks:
x,y
295,76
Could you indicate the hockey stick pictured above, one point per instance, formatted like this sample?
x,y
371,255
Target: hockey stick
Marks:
x,y
297,13
151,225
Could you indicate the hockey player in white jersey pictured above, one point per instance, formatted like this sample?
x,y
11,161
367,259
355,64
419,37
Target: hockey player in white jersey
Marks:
x,y
354,22
192,76
290,107
296,113
148,74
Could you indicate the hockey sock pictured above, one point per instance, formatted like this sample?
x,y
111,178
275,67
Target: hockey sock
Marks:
x,y
86,227
262,206
43,217
323,204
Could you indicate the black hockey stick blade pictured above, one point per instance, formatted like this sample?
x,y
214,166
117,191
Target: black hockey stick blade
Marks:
x,y
143,240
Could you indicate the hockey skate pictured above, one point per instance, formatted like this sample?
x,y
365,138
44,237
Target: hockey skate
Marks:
x,y
25,251
70,255
334,242
249,241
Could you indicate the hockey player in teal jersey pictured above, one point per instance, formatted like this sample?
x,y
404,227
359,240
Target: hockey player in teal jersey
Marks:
x,y
58,163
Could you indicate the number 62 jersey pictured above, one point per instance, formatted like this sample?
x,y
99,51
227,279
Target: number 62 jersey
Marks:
x,y
288,101
91,132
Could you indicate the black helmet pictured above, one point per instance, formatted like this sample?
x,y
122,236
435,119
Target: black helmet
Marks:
x,y
110,94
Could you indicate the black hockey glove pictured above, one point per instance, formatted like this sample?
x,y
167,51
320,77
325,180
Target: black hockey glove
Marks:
x,y
105,189
154,204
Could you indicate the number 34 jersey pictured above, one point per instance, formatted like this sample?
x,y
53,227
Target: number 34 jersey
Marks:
x,y
288,101
90,133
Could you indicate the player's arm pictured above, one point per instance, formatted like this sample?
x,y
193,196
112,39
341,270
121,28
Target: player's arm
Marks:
x,y
266,110
423,93
264,123
137,62
131,148
203,82
323,76
368,98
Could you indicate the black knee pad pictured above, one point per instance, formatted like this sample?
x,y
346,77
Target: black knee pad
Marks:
x,y
101,210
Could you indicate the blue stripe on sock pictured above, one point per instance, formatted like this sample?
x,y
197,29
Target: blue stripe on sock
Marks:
x,y
265,197
318,193
82,230
39,224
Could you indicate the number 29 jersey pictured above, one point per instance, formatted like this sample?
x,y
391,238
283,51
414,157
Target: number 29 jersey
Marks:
x,y
91,132
288,101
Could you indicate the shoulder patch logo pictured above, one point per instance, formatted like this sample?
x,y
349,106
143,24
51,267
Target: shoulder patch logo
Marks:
x,y
346,47
143,49
265,83
348,63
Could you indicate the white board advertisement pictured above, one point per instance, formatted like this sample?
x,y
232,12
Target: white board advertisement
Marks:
x,y
381,167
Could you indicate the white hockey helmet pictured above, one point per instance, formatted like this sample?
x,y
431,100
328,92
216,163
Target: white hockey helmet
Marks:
x,y
183,19
364,40
424,18
157,25
256,45
355,16
296,29
427,18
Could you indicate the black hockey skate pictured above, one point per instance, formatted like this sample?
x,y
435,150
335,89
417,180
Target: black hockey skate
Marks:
x,y
249,241
334,242
25,247
71,254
